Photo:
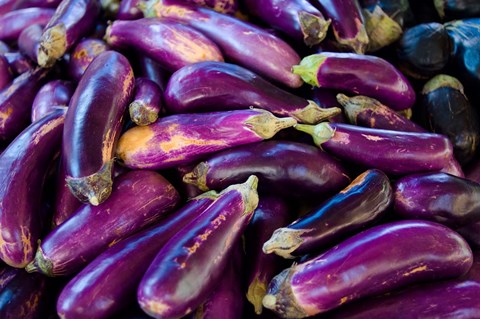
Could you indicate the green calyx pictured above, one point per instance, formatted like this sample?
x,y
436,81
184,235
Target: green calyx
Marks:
x,y
442,80
308,68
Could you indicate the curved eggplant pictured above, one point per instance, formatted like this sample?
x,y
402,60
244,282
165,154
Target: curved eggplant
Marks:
x,y
29,40
5,73
18,62
52,94
457,9
93,126
6,6
83,54
129,10
147,102
376,261
14,22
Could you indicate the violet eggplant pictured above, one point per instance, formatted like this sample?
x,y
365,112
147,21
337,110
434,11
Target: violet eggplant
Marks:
x,y
83,54
173,140
24,167
14,22
360,204
215,86
147,102
139,199
457,9
191,263
6,6
347,22
115,274
326,98
93,125
52,94
358,74
29,40
241,42
4,47
21,4
221,6
375,261
150,69
393,152
382,30
368,112
280,165
129,10
73,19
18,62
5,73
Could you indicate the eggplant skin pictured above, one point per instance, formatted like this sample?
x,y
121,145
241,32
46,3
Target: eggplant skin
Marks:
x,y
83,54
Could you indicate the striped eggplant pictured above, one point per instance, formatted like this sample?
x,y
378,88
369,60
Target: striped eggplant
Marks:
x,y
129,10
93,125
191,263
241,42
83,54
5,73
139,199
14,22
6,6
52,94
221,6
173,140
215,86
358,74
7,274
147,102
19,63
457,9
326,98
375,261
72,20
24,168
29,40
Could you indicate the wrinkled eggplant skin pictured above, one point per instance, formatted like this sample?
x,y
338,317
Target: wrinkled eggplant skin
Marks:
x,y
5,73
52,94
7,273
457,9
128,10
82,55
221,6
13,23
29,40
18,62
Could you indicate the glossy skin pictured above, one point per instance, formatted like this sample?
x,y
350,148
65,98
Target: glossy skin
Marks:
x,y
19,63
241,42
147,102
222,6
128,10
52,94
13,23
24,167
150,69
83,54
29,40
139,199
115,274
5,73
376,261
36,3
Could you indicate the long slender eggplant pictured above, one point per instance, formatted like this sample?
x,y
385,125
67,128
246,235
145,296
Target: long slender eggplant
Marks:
x,y
5,73
221,6
382,30
24,167
73,19
93,125
191,263
280,165
147,102
52,94
13,23
184,138
457,9
241,42
214,86
139,199
29,40
115,274
83,54
376,261
358,74
19,63
129,10
360,204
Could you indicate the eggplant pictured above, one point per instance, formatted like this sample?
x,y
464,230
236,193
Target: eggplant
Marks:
x,y
24,167
51,95
221,6
14,22
241,42
7,274
393,152
280,165
375,261
29,40
326,98
150,69
83,54
147,102
471,233
173,140
4,47
73,19
192,262
161,40
18,62
6,6
382,30
358,74
5,73
215,86
93,126
21,4
139,199
129,10
368,112
115,274
457,9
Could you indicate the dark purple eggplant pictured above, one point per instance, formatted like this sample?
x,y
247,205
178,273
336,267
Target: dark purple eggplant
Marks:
x,y
5,73
115,274
139,199
7,273
18,62
129,10
326,98
52,94
150,69
215,86
241,42
14,22
358,74
382,30
24,167
83,54
147,102
375,261
21,4
457,9
471,233
93,126
188,267
29,40
73,19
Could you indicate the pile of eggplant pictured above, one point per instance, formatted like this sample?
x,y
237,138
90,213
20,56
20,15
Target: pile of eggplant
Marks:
x,y
239,159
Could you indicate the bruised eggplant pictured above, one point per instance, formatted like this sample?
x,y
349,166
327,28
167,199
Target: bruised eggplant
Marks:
x,y
14,22
382,30
150,69
19,63
53,94
82,55
147,102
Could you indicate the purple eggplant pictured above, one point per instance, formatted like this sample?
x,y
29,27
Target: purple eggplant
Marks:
x,y
5,73
19,63
280,165
129,10
192,262
93,126
73,19
358,74
21,4
29,40
4,47
139,199
52,94
241,42
368,112
115,274
214,86
24,167
7,274
457,9
147,102
382,29
83,54
150,69
376,261
6,6
173,140
360,204
13,23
